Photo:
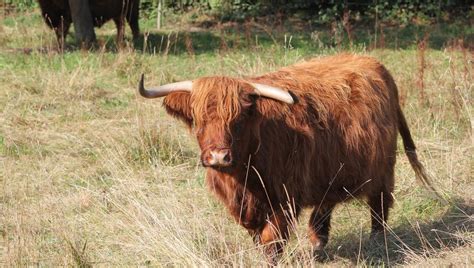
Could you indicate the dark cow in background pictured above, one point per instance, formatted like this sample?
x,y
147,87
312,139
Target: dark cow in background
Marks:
x,y
59,14
310,135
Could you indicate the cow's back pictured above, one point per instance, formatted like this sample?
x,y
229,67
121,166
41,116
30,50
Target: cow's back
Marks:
x,y
361,128
349,102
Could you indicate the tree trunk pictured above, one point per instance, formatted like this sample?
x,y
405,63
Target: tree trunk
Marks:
x,y
158,16
83,24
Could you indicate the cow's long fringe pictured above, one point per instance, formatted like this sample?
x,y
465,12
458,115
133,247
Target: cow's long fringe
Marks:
x,y
222,93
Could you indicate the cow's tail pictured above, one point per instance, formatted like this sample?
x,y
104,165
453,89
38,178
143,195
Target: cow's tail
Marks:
x,y
410,151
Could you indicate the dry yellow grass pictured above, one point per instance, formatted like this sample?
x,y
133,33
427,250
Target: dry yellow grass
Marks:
x,y
91,174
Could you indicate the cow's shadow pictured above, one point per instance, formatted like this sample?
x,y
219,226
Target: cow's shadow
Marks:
x,y
195,40
410,239
160,43
177,42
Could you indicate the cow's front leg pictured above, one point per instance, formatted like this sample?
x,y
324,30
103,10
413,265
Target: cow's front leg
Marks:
x,y
273,237
319,225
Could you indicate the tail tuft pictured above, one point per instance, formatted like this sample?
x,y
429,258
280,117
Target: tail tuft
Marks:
x,y
410,151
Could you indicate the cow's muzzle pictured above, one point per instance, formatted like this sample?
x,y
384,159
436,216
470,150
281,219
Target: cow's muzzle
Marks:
x,y
217,158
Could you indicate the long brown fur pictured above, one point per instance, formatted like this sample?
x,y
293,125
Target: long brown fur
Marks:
x,y
338,141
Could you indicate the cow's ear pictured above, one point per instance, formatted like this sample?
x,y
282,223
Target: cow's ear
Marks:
x,y
178,104
272,109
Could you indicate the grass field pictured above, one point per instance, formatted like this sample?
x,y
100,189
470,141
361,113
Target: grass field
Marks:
x,y
92,174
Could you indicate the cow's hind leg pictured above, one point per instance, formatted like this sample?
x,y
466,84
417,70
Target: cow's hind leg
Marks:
x,y
119,23
319,226
132,19
379,203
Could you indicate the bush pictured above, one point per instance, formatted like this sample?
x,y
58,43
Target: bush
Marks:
x,y
323,11
20,5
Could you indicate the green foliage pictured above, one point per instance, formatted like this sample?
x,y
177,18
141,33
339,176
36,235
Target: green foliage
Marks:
x,y
180,5
323,11
20,5
404,11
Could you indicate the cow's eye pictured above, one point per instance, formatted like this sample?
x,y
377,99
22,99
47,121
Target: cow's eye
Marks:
x,y
247,113
238,127
250,111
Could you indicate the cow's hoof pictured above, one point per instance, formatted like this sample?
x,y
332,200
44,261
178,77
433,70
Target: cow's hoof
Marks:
x,y
374,234
273,252
320,255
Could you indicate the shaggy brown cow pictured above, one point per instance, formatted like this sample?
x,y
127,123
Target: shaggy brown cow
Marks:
x,y
310,135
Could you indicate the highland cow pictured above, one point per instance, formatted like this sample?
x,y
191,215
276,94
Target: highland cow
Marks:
x,y
311,135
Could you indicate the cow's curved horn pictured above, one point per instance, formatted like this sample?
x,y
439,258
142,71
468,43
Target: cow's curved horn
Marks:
x,y
163,90
273,92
